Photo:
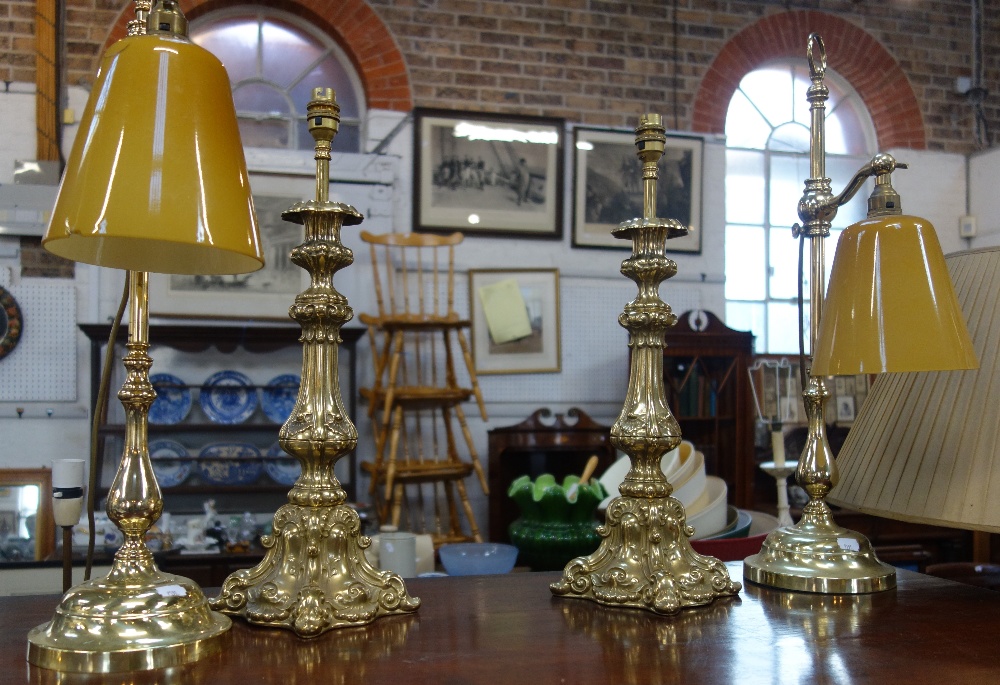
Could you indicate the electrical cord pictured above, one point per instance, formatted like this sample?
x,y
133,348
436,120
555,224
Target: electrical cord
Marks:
x,y
100,414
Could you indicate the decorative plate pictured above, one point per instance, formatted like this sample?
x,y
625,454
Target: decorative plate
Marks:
x,y
170,462
278,397
173,399
228,397
230,463
282,469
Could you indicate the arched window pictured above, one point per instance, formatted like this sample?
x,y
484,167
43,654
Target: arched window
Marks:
x,y
274,61
767,162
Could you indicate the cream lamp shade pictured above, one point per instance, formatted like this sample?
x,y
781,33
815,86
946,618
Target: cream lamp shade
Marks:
x,y
890,305
924,446
157,180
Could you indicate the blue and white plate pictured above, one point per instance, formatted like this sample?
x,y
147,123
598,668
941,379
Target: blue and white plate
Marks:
x,y
228,397
230,463
170,462
280,467
173,399
278,397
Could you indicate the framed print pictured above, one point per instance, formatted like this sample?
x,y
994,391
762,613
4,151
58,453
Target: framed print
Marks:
x,y
488,174
515,320
265,294
608,187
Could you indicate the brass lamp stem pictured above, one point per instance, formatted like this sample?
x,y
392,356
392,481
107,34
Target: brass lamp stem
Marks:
x,y
314,576
817,555
645,560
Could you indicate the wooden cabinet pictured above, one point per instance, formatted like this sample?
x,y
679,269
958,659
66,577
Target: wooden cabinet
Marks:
x,y
193,353
705,369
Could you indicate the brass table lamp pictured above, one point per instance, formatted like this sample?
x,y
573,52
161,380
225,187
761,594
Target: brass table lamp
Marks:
x,y
314,576
156,181
896,311
645,560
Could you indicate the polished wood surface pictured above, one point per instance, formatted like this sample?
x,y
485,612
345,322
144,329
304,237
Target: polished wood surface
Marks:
x,y
510,629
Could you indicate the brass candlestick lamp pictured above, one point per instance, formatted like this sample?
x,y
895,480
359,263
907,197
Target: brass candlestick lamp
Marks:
x,y
314,575
156,181
901,312
645,560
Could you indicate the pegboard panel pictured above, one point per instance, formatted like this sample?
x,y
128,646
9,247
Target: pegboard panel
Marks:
x,y
594,346
43,366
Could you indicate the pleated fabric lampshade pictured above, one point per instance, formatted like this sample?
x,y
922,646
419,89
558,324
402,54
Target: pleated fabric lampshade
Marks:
x,y
157,180
890,305
925,446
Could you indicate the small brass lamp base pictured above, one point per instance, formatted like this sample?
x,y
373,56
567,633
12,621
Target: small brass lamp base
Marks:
x,y
819,556
128,622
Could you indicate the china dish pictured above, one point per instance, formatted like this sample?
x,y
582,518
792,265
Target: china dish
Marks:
x,y
171,464
230,463
228,397
278,397
281,468
173,400
477,558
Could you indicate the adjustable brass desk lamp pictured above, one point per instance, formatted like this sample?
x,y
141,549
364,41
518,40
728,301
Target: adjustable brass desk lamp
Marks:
x,y
156,181
891,307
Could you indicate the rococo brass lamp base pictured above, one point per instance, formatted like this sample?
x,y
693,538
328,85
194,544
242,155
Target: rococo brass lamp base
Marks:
x,y
127,622
314,576
645,560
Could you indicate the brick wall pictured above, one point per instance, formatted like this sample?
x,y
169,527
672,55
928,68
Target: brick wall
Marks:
x,y
592,61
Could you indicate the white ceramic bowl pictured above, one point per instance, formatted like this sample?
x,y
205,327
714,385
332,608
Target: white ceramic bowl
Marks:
x,y
712,518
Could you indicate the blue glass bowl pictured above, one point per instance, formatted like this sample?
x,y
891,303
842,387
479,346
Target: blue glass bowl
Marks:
x,y
477,558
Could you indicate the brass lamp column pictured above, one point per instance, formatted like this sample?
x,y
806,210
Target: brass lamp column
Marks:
x,y
148,189
645,560
816,554
314,575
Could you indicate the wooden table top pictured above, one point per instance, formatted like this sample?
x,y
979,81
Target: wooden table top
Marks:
x,y
511,629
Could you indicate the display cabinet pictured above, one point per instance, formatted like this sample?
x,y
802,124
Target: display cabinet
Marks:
x,y
209,450
708,389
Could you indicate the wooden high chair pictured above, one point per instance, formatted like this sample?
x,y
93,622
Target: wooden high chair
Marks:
x,y
417,398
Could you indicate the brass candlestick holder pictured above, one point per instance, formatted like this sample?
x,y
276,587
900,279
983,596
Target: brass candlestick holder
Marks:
x,y
314,575
645,560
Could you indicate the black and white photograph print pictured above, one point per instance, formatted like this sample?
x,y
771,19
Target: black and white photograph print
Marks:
x,y
488,174
608,187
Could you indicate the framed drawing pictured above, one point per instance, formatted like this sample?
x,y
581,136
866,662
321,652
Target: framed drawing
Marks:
x,y
265,294
515,320
608,187
488,174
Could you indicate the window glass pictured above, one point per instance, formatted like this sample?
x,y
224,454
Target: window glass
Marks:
x,y
274,62
767,163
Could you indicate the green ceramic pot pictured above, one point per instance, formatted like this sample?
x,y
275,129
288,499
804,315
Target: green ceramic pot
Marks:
x,y
551,529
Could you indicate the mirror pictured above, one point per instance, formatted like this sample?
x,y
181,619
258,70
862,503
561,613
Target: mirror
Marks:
x,y
27,531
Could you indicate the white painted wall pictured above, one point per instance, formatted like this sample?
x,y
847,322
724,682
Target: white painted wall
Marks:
x,y
984,196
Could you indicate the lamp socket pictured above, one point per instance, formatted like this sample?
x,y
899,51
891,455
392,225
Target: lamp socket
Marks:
x,y
967,226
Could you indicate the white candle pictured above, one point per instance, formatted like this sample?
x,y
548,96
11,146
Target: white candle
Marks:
x,y
778,447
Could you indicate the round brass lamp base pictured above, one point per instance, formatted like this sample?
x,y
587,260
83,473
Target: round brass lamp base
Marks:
x,y
113,624
821,558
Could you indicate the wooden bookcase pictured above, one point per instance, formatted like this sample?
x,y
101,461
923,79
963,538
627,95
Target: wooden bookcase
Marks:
x,y
708,389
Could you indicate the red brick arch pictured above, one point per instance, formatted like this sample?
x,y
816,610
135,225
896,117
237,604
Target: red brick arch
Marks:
x,y
352,23
852,53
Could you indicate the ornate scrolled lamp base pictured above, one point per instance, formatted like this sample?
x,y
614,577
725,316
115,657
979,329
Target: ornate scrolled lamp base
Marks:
x,y
646,562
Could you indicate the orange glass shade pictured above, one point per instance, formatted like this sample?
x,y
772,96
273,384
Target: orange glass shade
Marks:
x,y
157,180
891,305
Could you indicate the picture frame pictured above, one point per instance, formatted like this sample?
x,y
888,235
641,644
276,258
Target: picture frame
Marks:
x,y
488,174
263,295
539,351
607,187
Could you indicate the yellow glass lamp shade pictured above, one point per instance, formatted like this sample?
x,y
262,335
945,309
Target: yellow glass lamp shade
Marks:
x,y
891,305
156,180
